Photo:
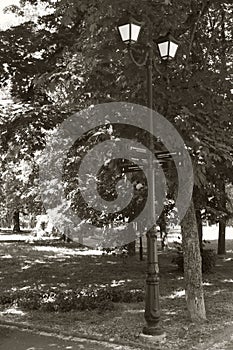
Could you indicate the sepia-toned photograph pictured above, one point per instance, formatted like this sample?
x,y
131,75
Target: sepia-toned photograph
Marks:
x,y
116,175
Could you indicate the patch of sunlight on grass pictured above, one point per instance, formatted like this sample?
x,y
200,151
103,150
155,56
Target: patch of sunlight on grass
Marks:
x,y
207,284
111,262
177,294
115,283
227,281
62,284
135,311
14,310
170,312
31,263
68,251
37,261
219,291
25,288
227,259
99,286
49,298
7,256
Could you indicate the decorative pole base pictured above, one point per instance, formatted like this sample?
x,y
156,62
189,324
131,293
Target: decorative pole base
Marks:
x,y
153,339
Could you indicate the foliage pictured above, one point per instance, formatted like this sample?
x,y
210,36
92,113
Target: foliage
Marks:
x,y
72,58
64,301
208,259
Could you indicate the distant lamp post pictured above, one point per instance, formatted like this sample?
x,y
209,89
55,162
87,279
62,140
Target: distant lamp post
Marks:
x,y
167,46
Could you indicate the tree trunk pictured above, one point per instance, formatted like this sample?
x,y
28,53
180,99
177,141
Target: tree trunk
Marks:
x,y
163,231
140,248
200,228
192,266
222,222
222,237
16,224
131,247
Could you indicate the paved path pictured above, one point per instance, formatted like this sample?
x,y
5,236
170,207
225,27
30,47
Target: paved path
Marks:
x,y
15,339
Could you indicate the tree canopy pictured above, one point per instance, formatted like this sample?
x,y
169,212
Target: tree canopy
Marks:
x,y
72,58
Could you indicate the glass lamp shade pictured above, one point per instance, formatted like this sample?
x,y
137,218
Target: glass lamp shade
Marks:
x,y
167,47
129,31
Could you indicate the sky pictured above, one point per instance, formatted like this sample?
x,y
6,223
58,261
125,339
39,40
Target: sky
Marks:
x,y
7,19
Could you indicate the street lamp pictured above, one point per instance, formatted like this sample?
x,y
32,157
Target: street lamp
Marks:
x,y
167,47
129,30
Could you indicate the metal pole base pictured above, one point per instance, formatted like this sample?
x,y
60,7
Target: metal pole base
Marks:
x,y
157,339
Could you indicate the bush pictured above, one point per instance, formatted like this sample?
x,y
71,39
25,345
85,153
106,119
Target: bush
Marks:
x,y
208,260
6,299
64,301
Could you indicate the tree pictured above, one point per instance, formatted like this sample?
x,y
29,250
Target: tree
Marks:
x,y
23,131
193,93
222,222
192,267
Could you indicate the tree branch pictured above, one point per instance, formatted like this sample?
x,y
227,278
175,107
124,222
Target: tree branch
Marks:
x,y
201,12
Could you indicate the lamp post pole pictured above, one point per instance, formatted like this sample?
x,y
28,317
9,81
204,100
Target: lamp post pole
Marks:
x,y
129,30
152,308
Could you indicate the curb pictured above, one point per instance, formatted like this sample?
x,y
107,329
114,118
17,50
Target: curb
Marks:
x,y
130,345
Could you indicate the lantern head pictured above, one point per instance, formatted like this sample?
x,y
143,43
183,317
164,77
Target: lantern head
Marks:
x,y
129,30
167,47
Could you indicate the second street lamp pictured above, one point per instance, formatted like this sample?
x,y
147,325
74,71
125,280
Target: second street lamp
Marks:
x,y
167,47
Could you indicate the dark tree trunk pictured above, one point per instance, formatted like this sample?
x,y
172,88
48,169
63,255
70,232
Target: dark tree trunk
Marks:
x,y
33,221
140,248
200,228
80,238
197,200
163,230
65,237
131,248
16,224
8,219
192,266
222,224
222,237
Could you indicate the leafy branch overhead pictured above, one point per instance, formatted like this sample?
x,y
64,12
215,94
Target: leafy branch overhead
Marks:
x,y
72,58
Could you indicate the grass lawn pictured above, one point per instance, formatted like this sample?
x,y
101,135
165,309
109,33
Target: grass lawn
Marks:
x,y
44,270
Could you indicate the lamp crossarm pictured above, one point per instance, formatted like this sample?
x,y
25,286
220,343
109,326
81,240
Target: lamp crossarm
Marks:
x,y
139,64
144,62
157,68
